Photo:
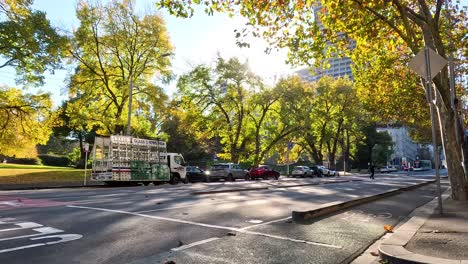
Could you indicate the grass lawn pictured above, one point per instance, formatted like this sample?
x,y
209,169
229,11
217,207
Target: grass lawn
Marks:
x,y
31,174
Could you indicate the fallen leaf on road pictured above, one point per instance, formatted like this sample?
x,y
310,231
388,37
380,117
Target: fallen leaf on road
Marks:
x,y
388,228
375,254
231,234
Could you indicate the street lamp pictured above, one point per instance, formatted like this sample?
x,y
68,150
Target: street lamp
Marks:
x,y
130,89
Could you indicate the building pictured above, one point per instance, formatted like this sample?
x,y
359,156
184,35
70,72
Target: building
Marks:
x,y
404,149
336,66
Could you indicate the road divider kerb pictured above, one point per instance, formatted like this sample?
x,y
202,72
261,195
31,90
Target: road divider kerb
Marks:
x,y
305,216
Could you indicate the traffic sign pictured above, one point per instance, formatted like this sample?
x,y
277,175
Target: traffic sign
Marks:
x,y
418,63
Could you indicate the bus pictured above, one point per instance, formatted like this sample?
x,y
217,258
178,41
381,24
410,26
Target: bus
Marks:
x,y
421,165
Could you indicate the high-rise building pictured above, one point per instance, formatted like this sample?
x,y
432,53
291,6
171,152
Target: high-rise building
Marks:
x,y
334,67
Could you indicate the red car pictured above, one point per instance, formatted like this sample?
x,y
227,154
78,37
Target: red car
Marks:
x,y
263,172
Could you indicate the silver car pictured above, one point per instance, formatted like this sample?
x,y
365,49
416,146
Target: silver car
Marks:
x,y
226,171
302,171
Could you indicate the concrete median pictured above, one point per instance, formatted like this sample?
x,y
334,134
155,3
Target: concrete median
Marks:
x,y
303,217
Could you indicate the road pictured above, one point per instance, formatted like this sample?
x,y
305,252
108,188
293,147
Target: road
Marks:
x,y
158,224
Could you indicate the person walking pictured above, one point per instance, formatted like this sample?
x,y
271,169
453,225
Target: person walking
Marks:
x,y
372,170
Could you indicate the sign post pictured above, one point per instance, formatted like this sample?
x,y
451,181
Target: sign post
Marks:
x,y
290,146
427,63
86,149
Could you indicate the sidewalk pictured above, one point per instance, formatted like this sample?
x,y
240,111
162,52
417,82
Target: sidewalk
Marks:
x,y
429,237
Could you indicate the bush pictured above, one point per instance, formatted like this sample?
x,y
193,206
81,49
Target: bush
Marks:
x,y
54,160
25,161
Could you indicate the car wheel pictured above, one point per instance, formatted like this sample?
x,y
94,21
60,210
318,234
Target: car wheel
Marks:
x,y
230,178
247,177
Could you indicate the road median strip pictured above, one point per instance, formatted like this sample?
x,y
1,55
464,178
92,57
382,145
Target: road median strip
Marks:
x,y
305,216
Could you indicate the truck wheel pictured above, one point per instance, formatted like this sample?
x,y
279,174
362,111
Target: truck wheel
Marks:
x,y
174,179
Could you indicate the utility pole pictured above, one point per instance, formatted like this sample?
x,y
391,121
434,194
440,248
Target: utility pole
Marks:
x,y
434,136
130,90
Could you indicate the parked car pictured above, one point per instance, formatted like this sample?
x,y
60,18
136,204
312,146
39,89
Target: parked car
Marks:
x,y
302,171
317,172
195,174
263,172
324,170
332,172
388,169
227,171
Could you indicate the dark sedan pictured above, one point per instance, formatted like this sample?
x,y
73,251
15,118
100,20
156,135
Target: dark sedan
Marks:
x,y
263,172
195,174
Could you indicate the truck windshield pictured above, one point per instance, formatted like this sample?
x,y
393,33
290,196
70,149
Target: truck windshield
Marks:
x,y
178,159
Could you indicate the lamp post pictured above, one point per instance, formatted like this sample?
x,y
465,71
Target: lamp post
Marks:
x,y
130,95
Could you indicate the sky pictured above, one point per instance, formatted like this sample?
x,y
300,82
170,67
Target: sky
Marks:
x,y
196,40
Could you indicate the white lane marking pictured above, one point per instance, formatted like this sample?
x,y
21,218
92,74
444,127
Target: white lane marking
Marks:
x,y
154,217
11,203
195,244
267,223
199,204
42,231
206,225
3,219
254,221
291,239
359,215
23,225
63,238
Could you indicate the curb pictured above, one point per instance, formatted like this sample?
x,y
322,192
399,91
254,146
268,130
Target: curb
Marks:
x,y
393,249
303,216
21,188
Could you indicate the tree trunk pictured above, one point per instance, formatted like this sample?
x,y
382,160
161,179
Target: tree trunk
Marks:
x,y
454,156
455,144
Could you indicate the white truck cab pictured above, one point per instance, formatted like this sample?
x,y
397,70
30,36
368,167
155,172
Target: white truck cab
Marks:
x,y
176,165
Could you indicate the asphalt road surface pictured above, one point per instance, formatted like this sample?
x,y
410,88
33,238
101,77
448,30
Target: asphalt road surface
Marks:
x,y
156,224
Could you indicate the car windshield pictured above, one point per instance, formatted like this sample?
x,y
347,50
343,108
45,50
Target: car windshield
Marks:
x,y
298,168
263,167
220,166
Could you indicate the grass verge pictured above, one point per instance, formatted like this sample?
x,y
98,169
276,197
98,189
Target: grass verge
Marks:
x,y
35,174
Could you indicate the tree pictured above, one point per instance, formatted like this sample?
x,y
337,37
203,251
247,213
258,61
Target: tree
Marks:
x,y
407,25
275,115
25,120
182,137
29,43
219,97
115,48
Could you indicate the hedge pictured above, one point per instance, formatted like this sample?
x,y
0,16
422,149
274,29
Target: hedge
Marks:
x,y
54,160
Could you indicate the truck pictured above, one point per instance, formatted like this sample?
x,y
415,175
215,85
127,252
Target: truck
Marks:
x,y
127,160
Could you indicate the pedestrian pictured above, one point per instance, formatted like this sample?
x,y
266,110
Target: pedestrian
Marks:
x,y
372,170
